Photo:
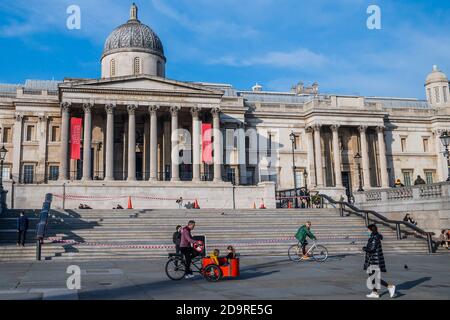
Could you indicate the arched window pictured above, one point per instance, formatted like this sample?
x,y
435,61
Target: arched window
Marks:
x,y
137,66
436,91
113,68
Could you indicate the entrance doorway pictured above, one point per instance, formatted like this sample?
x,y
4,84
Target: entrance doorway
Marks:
x,y
347,183
140,175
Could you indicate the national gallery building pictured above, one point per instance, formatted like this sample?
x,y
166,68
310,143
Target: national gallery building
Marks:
x,y
99,141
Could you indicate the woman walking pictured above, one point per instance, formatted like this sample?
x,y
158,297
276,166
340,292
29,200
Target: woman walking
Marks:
x,y
374,262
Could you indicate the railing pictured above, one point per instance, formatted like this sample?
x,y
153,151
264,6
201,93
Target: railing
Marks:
x,y
41,227
296,199
368,214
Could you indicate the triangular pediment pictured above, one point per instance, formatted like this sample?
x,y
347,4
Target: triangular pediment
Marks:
x,y
141,83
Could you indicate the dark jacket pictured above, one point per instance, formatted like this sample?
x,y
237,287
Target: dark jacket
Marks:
x,y
177,238
304,232
22,223
374,252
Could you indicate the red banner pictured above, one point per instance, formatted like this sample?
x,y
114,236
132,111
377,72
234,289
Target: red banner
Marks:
x,y
75,138
207,143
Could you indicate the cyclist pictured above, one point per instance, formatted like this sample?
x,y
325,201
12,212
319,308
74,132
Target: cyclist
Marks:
x,y
301,235
186,248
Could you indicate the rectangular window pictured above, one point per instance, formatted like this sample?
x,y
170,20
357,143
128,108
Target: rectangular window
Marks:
x,y
403,142
297,142
28,174
7,135
407,178
269,145
426,145
445,94
299,179
55,134
6,174
30,133
429,176
53,173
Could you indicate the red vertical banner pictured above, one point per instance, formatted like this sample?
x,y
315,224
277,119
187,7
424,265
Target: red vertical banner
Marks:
x,y
207,143
75,138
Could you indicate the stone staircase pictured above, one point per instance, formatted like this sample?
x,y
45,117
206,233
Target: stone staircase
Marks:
x,y
132,234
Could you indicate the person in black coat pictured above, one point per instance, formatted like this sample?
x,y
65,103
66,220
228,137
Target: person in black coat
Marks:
x,y
177,239
374,263
22,228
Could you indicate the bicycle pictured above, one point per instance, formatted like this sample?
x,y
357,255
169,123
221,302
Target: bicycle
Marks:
x,y
176,268
318,252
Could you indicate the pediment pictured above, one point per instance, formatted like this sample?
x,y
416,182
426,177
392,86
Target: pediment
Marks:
x,y
141,83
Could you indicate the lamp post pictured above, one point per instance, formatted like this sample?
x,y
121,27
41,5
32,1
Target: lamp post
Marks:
x,y
445,139
3,152
305,177
292,137
358,162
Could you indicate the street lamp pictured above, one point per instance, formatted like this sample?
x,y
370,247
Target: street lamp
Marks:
x,y
358,162
445,139
292,137
305,177
3,152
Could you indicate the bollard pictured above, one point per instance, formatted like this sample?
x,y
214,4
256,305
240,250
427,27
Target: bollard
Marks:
x,y
38,250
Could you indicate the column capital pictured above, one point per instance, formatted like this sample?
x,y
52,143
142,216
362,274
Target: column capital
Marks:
x,y
110,107
43,117
216,111
65,106
87,107
362,129
18,116
131,109
317,126
309,129
195,111
380,129
174,110
335,127
153,108
438,132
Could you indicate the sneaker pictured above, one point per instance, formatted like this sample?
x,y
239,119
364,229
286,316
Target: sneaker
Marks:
x,y
391,290
189,276
373,295
306,258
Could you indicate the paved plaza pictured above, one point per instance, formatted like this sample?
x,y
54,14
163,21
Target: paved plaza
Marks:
x,y
341,277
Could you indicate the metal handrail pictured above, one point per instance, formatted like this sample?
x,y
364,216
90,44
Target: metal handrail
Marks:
x,y
343,204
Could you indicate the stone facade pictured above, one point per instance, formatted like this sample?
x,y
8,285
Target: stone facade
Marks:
x,y
129,120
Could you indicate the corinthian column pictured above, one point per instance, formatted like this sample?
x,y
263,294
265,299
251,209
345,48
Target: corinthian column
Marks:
x,y
195,144
87,141
109,176
153,142
365,156
318,147
337,156
175,147
64,163
131,142
217,145
311,166
383,160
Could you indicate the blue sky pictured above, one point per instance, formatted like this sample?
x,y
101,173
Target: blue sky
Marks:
x,y
276,43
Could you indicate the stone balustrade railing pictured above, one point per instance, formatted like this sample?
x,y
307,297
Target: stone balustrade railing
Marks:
x,y
420,192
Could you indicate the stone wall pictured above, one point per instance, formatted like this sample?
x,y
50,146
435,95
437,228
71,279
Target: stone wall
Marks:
x,y
100,195
428,204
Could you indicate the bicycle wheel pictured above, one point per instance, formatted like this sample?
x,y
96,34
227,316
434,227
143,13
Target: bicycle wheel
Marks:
x,y
212,273
295,253
175,269
320,253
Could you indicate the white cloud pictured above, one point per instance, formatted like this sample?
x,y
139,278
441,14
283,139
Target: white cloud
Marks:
x,y
298,58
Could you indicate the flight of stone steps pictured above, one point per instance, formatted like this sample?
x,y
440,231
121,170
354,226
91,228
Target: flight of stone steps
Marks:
x,y
133,234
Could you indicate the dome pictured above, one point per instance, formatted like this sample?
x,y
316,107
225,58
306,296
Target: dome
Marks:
x,y
133,36
436,76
